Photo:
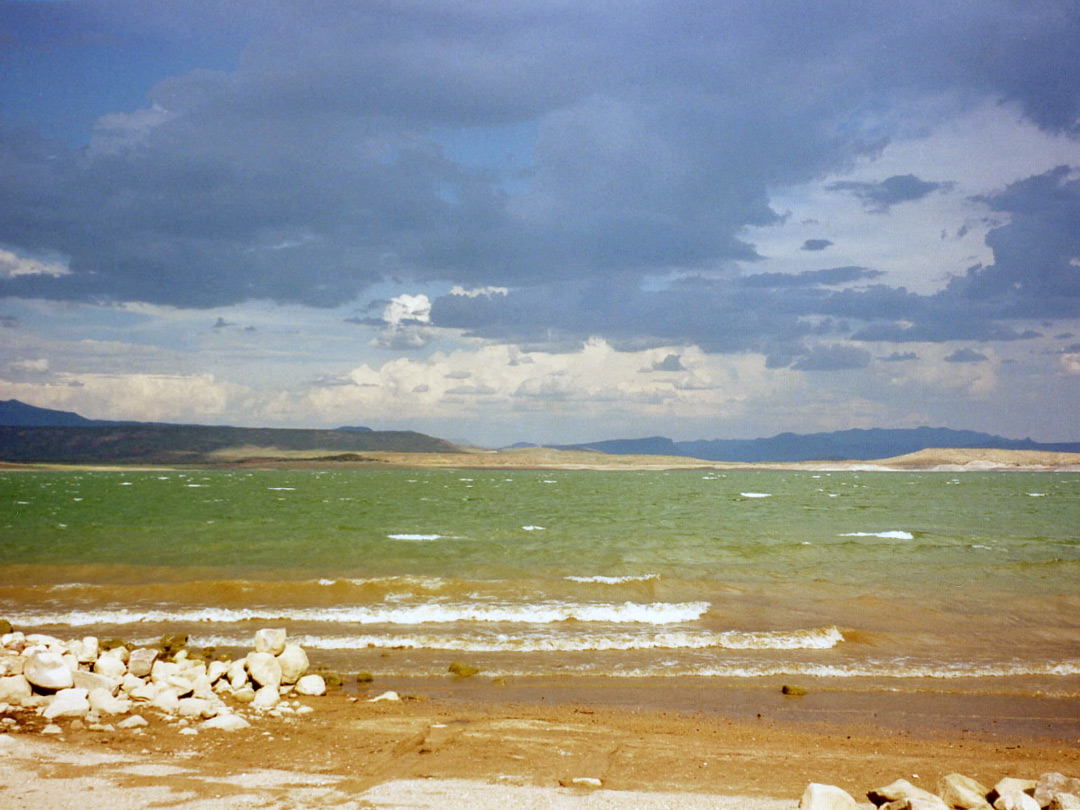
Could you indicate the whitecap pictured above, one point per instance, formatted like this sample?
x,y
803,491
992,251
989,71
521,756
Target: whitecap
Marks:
x,y
614,580
533,528
756,494
895,535
1036,494
282,489
415,537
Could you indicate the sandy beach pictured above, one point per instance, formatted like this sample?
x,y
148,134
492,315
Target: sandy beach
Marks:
x,y
447,746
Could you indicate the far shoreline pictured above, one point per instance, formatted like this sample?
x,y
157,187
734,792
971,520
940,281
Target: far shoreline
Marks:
x,y
951,460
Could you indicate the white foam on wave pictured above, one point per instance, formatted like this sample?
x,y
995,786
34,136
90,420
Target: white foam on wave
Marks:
x,y
756,494
533,528
416,538
614,580
894,535
656,613
282,489
815,639
1036,494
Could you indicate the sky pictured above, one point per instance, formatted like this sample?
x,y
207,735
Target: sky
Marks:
x,y
552,221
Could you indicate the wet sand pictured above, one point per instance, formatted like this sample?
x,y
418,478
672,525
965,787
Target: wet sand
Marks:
x,y
470,743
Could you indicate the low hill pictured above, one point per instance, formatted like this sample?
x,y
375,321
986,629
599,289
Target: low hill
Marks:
x,y
197,444
841,445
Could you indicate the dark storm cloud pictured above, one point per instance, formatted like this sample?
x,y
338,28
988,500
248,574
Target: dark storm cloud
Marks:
x,y
880,197
317,167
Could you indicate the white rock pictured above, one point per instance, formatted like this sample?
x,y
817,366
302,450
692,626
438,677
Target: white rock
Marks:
x,y
182,685
238,674
147,692
216,670
129,682
586,781
52,728
963,792
266,698
134,721
226,722
14,689
91,680
110,666
167,701
385,696
163,670
294,663
1012,795
141,662
826,797
311,685
47,670
903,789
1049,785
270,640
915,804
102,700
1064,801
264,669
195,707
67,703
11,663
13,641
189,732
120,653
244,695
86,650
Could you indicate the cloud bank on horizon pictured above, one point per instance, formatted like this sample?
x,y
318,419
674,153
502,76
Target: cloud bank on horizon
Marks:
x,y
545,221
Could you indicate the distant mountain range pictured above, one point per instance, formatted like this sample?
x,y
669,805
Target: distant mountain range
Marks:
x,y
28,433
851,445
31,434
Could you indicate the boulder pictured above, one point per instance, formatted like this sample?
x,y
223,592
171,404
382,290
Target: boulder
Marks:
x,y
826,797
245,694
266,698
148,692
294,663
141,662
914,804
110,666
130,682
1064,801
86,650
216,670
91,681
103,702
1049,785
903,789
135,721
47,670
67,703
181,684
311,685
195,707
270,640
391,696
225,722
163,670
238,674
14,689
11,663
1015,794
264,669
167,701
963,793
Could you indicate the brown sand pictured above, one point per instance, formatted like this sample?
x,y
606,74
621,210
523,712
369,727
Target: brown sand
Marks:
x,y
518,749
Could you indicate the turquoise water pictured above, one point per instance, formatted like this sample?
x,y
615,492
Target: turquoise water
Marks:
x,y
934,575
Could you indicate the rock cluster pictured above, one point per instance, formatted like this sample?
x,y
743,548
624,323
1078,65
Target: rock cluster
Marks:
x,y
1051,791
80,679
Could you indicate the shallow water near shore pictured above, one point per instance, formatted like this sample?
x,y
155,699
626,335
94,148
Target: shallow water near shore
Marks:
x,y
867,579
